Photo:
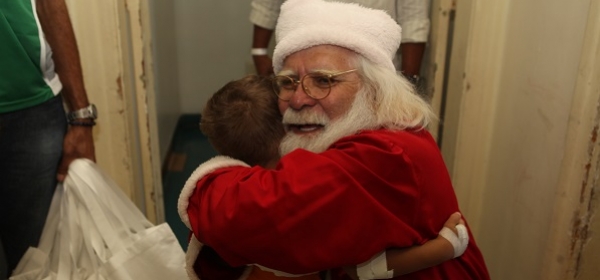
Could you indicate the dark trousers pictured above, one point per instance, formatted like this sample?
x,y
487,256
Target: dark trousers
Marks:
x,y
31,144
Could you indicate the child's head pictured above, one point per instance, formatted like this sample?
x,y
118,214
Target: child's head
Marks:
x,y
242,120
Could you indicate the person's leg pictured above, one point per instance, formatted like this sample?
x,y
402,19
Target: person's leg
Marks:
x,y
31,142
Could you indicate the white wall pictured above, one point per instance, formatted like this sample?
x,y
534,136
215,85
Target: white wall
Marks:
x,y
119,80
520,78
166,69
213,47
541,55
198,46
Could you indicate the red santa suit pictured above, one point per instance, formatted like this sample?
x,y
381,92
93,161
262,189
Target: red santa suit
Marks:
x,y
367,192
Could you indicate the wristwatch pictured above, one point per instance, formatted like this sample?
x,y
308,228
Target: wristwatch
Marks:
x,y
88,112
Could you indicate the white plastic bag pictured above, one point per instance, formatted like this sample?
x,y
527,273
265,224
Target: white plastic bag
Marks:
x,y
93,231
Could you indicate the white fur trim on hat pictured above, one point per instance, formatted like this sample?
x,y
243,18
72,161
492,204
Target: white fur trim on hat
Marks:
x,y
190,185
307,23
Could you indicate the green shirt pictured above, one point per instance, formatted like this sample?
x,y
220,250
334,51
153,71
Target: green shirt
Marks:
x,y
27,76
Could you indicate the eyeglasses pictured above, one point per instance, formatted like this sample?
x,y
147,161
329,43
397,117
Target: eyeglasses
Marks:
x,y
316,85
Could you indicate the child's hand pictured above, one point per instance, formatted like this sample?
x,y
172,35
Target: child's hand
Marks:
x,y
455,232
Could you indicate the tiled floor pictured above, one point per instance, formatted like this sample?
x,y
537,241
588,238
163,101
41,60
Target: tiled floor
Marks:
x,y
189,148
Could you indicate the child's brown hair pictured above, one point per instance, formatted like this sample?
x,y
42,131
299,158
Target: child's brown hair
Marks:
x,y
242,120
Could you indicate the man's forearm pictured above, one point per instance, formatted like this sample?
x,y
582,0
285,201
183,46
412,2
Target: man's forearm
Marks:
x,y
260,40
261,37
55,21
412,55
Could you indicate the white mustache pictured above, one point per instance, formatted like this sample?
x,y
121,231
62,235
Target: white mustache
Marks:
x,y
292,117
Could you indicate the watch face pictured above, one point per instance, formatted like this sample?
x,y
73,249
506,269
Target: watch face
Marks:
x,y
84,113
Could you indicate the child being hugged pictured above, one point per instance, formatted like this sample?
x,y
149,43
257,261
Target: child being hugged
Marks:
x,y
242,121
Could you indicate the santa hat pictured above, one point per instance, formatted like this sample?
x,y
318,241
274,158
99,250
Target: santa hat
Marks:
x,y
306,23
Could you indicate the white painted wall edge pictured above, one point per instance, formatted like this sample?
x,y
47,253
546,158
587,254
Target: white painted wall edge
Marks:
x,y
580,167
476,115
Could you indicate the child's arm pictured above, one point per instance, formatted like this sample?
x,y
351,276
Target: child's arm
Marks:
x,y
407,260
431,253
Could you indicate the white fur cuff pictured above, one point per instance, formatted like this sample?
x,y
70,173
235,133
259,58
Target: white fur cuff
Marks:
x,y
202,170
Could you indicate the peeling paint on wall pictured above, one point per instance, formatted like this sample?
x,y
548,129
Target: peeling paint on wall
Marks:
x,y
119,87
580,232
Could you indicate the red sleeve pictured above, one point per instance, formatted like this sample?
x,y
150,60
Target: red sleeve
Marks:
x,y
315,211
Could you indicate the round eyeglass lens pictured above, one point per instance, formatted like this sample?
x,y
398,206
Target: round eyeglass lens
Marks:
x,y
319,85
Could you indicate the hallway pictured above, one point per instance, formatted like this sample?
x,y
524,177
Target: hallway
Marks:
x,y
188,150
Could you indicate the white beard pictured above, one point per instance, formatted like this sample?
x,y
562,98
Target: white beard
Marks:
x,y
359,117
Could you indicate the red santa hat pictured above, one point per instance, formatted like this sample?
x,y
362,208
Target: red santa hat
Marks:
x,y
307,23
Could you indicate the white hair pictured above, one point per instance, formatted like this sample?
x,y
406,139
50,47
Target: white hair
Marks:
x,y
397,104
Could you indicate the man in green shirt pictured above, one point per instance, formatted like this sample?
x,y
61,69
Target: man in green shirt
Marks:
x,y
39,70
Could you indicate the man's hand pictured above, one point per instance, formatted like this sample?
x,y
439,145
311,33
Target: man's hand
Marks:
x,y
78,143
